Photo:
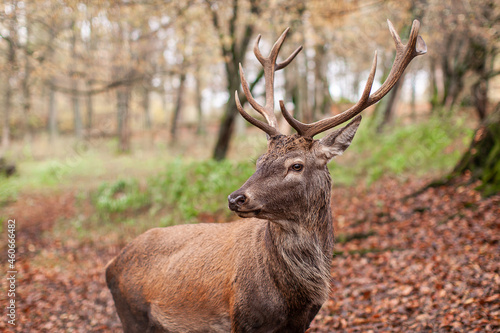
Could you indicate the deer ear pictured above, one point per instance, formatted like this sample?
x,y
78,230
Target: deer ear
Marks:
x,y
337,142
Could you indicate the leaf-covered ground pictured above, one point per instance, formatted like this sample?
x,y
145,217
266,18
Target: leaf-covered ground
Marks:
x,y
425,263
429,263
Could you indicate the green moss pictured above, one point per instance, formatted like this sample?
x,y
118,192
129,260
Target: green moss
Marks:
x,y
482,159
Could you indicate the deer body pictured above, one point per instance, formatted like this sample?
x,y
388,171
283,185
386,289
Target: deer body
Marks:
x,y
237,294
255,275
269,272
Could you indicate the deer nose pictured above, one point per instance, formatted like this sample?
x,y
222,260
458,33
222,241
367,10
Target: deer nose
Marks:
x,y
236,201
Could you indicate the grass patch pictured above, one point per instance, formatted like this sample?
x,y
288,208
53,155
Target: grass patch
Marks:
x,y
30,175
417,149
51,173
191,188
186,189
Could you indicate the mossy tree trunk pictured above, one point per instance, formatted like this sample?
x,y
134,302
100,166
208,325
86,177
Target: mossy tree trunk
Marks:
x,y
482,159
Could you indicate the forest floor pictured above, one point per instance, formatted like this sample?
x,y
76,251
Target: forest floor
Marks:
x,y
404,263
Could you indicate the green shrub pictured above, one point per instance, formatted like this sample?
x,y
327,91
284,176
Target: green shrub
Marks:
x,y
191,188
183,189
121,196
418,149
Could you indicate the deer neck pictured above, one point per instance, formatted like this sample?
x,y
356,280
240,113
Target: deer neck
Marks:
x,y
311,219
300,250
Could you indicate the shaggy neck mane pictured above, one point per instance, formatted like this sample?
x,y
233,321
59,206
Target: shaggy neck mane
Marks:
x,y
301,251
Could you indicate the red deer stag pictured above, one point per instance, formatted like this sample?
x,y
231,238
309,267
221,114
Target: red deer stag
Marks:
x,y
270,272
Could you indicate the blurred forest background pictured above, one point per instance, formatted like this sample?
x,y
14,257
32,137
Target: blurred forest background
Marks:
x,y
119,116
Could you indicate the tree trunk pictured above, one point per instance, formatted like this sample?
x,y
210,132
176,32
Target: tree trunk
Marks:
x,y
145,106
164,100
391,104
77,118
413,100
200,128
227,126
454,88
480,97
28,134
291,94
292,72
479,66
90,108
50,84
53,130
225,130
322,97
11,69
437,83
123,98
233,55
6,116
304,109
178,107
89,48
482,159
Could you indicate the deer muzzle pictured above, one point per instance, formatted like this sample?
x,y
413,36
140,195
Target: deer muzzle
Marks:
x,y
241,204
236,201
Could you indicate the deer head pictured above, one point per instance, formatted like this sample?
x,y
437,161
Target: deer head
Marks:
x,y
295,166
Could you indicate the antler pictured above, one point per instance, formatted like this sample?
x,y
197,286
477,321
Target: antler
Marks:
x,y
404,54
270,66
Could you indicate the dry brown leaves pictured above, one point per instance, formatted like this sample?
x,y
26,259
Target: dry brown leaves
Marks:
x,y
426,264
429,264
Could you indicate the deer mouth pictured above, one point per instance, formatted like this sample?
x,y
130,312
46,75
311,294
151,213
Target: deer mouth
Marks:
x,y
247,213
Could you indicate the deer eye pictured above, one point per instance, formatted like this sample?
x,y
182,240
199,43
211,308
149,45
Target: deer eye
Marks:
x,y
297,167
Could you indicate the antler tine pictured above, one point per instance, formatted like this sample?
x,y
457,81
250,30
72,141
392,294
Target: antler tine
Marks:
x,y
404,55
273,54
310,130
256,50
270,117
270,66
285,63
301,128
270,130
395,35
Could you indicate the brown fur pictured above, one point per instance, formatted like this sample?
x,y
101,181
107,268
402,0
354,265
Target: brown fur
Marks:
x,y
268,273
